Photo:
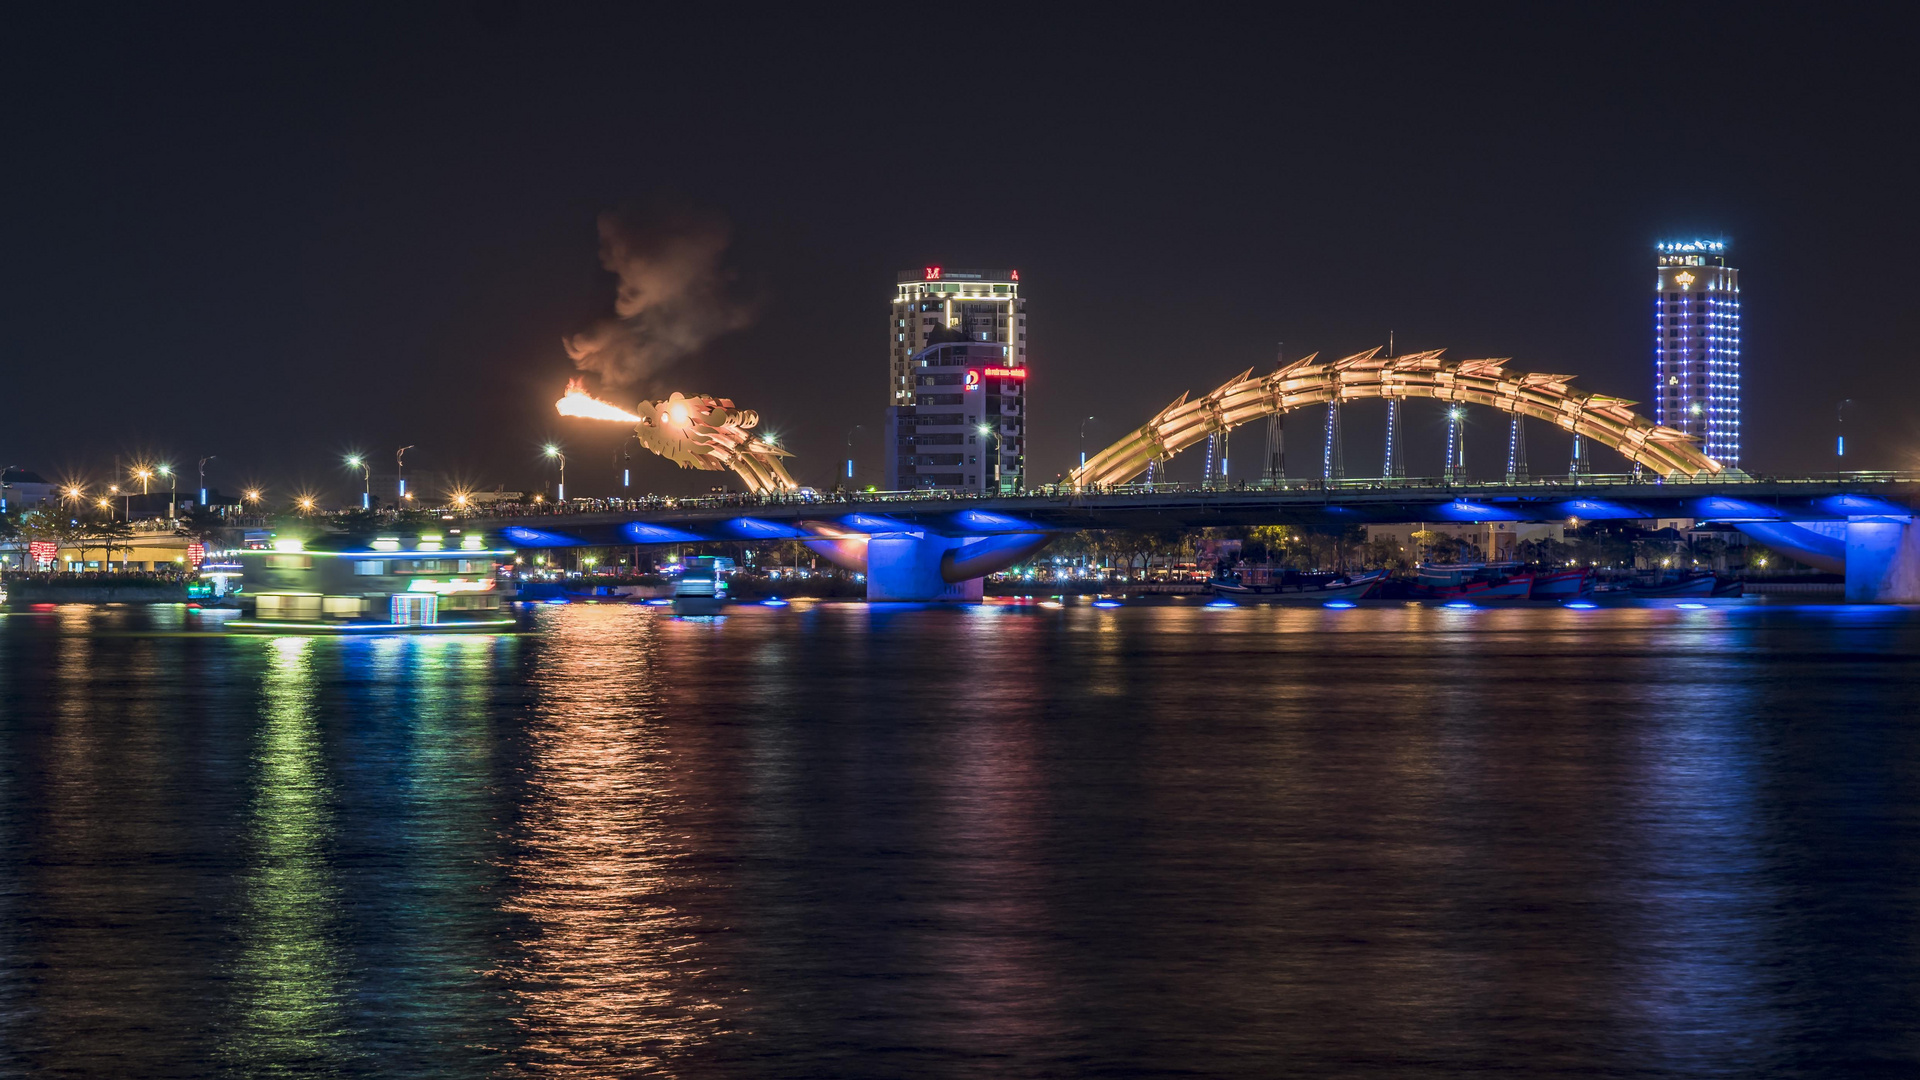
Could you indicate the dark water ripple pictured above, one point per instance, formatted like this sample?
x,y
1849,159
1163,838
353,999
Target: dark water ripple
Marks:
x,y
841,841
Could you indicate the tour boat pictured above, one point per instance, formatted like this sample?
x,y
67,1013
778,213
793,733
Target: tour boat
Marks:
x,y
701,586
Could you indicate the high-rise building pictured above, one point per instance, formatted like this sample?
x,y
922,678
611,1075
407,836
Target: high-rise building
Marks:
x,y
956,381
1696,349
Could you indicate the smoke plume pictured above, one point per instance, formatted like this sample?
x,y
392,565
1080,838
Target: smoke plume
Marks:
x,y
675,293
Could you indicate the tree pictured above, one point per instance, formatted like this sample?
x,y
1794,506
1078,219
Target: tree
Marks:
x,y
1264,543
1445,548
111,533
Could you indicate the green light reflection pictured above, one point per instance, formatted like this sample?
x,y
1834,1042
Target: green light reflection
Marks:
x,y
289,974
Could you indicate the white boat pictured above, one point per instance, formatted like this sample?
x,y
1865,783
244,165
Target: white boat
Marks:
x,y
701,588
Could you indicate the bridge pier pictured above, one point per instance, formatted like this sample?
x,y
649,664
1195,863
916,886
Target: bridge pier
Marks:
x,y
906,567
1883,560
921,568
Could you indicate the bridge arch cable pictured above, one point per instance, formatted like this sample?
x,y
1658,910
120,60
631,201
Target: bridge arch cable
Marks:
x,y
1599,418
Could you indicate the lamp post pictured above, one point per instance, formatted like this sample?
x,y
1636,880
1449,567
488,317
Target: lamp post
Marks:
x,y
988,431
399,470
355,461
203,479
251,496
172,495
1083,438
1840,430
1456,450
3,486
850,432
144,474
553,451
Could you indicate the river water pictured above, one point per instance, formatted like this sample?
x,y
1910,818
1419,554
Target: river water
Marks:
x,y
834,840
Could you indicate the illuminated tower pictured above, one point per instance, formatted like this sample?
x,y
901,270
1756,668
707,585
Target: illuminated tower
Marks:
x,y
1696,348
983,310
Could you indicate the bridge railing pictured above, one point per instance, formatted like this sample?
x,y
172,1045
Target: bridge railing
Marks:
x,y
741,501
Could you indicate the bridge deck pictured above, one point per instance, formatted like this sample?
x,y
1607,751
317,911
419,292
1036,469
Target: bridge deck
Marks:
x,y
1167,507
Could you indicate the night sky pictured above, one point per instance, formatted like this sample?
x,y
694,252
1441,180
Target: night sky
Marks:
x,y
276,238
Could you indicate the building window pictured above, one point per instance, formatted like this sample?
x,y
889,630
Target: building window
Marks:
x,y
370,567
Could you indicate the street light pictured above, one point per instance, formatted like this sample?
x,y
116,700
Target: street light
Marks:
x,y
1083,438
850,432
306,503
167,471
203,479
251,495
144,474
987,430
553,451
399,470
355,461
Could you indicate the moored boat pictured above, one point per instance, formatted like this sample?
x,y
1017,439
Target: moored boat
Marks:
x,y
701,587
1317,588
1504,581
1693,586
1562,584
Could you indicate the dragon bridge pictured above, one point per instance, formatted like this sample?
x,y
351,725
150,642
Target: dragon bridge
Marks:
x,y
1609,421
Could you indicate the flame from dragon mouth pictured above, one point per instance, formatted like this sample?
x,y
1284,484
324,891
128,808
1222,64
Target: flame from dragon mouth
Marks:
x,y
577,402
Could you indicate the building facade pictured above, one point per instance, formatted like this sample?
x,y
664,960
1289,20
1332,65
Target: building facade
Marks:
x,y
966,428
21,489
956,381
1696,350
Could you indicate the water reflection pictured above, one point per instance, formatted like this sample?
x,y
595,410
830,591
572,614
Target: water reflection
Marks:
x,y
604,969
289,975
838,841
1702,910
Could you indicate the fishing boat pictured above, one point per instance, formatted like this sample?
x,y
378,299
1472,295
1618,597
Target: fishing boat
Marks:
x,y
1686,586
1562,584
1263,583
1473,581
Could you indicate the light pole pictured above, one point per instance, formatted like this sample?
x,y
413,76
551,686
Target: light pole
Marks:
x,y
1083,438
355,461
399,470
1839,423
3,486
126,509
553,451
251,496
172,497
145,475
203,480
987,430
1456,448
850,432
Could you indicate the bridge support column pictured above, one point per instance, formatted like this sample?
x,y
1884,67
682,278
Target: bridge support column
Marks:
x,y
906,567
925,568
1883,561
